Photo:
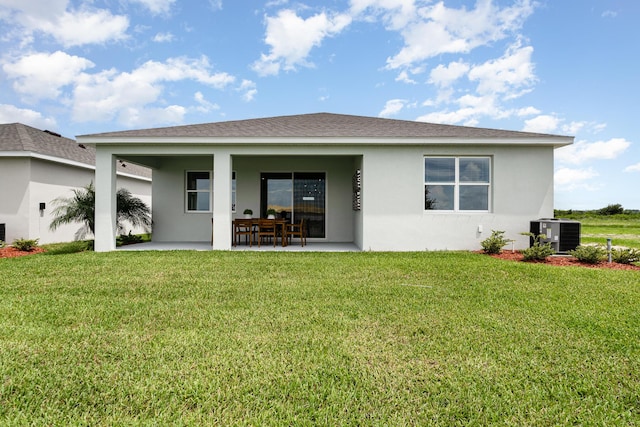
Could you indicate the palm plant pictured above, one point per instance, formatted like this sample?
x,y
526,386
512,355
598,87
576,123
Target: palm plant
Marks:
x,y
81,208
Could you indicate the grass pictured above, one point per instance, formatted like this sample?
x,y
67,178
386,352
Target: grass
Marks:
x,y
623,230
247,338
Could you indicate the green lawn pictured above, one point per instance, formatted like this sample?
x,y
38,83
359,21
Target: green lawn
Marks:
x,y
248,338
623,230
620,234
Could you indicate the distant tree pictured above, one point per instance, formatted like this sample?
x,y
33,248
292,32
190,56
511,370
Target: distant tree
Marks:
x,y
81,208
611,210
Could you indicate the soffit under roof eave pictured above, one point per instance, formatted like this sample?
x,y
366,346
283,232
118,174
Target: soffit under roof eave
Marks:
x,y
555,141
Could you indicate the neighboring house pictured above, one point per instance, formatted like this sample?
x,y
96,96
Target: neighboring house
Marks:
x,y
39,166
384,185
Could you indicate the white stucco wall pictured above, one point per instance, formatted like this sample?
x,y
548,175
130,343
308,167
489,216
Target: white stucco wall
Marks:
x,y
392,216
14,197
26,182
393,186
172,223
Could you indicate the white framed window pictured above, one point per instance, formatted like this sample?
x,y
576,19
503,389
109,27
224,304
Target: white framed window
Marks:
x,y
198,191
457,184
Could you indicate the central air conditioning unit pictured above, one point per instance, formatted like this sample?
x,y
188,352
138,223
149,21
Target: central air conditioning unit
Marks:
x,y
562,234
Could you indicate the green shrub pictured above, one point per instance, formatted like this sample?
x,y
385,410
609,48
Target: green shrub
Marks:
x,y
538,251
2,244
625,256
494,243
589,254
26,245
128,239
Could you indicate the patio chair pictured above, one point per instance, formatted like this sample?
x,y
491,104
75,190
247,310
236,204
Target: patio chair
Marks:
x,y
267,228
243,227
296,230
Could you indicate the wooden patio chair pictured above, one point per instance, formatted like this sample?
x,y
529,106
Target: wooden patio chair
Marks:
x,y
296,230
267,228
243,227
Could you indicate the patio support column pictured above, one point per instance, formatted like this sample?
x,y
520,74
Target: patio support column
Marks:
x,y
105,206
222,201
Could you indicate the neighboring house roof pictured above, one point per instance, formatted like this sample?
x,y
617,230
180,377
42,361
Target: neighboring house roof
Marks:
x,y
323,125
18,139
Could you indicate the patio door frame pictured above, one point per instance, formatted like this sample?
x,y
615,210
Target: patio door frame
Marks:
x,y
295,211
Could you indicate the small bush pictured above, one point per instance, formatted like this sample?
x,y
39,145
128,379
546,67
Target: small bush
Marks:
x,y
129,239
25,245
494,243
625,256
589,254
2,244
538,251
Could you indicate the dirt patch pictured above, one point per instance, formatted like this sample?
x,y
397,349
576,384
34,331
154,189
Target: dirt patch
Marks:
x,y
565,260
10,252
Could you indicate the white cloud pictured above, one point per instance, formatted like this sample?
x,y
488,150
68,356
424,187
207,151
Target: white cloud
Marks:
x,y
497,80
527,111
291,39
567,179
583,151
573,127
156,7
13,114
446,75
136,117
396,13
435,29
163,38
633,168
463,115
204,106
86,27
393,107
132,98
35,8
508,74
128,96
249,90
69,27
215,4
43,75
404,77
543,123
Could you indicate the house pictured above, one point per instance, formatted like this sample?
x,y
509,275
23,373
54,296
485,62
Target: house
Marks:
x,y
37,167
381,184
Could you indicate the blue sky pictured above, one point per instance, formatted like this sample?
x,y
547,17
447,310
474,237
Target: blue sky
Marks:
x,y
566,67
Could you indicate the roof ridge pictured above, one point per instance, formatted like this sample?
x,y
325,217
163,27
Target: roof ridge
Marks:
x,y
322,124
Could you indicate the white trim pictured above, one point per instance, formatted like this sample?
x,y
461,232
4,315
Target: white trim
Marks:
x,y
187,191
457,184
60,160
556,141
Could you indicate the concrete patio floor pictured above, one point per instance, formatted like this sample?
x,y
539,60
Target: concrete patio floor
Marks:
x,y
200,246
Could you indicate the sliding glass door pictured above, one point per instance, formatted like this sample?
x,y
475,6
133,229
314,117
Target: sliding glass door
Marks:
x,y
295,196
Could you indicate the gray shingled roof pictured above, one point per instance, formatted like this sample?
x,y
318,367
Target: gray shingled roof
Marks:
x,y
17,137
322,125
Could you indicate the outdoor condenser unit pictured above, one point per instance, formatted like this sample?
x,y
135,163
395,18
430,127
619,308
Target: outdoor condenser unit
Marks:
x,y
563,234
